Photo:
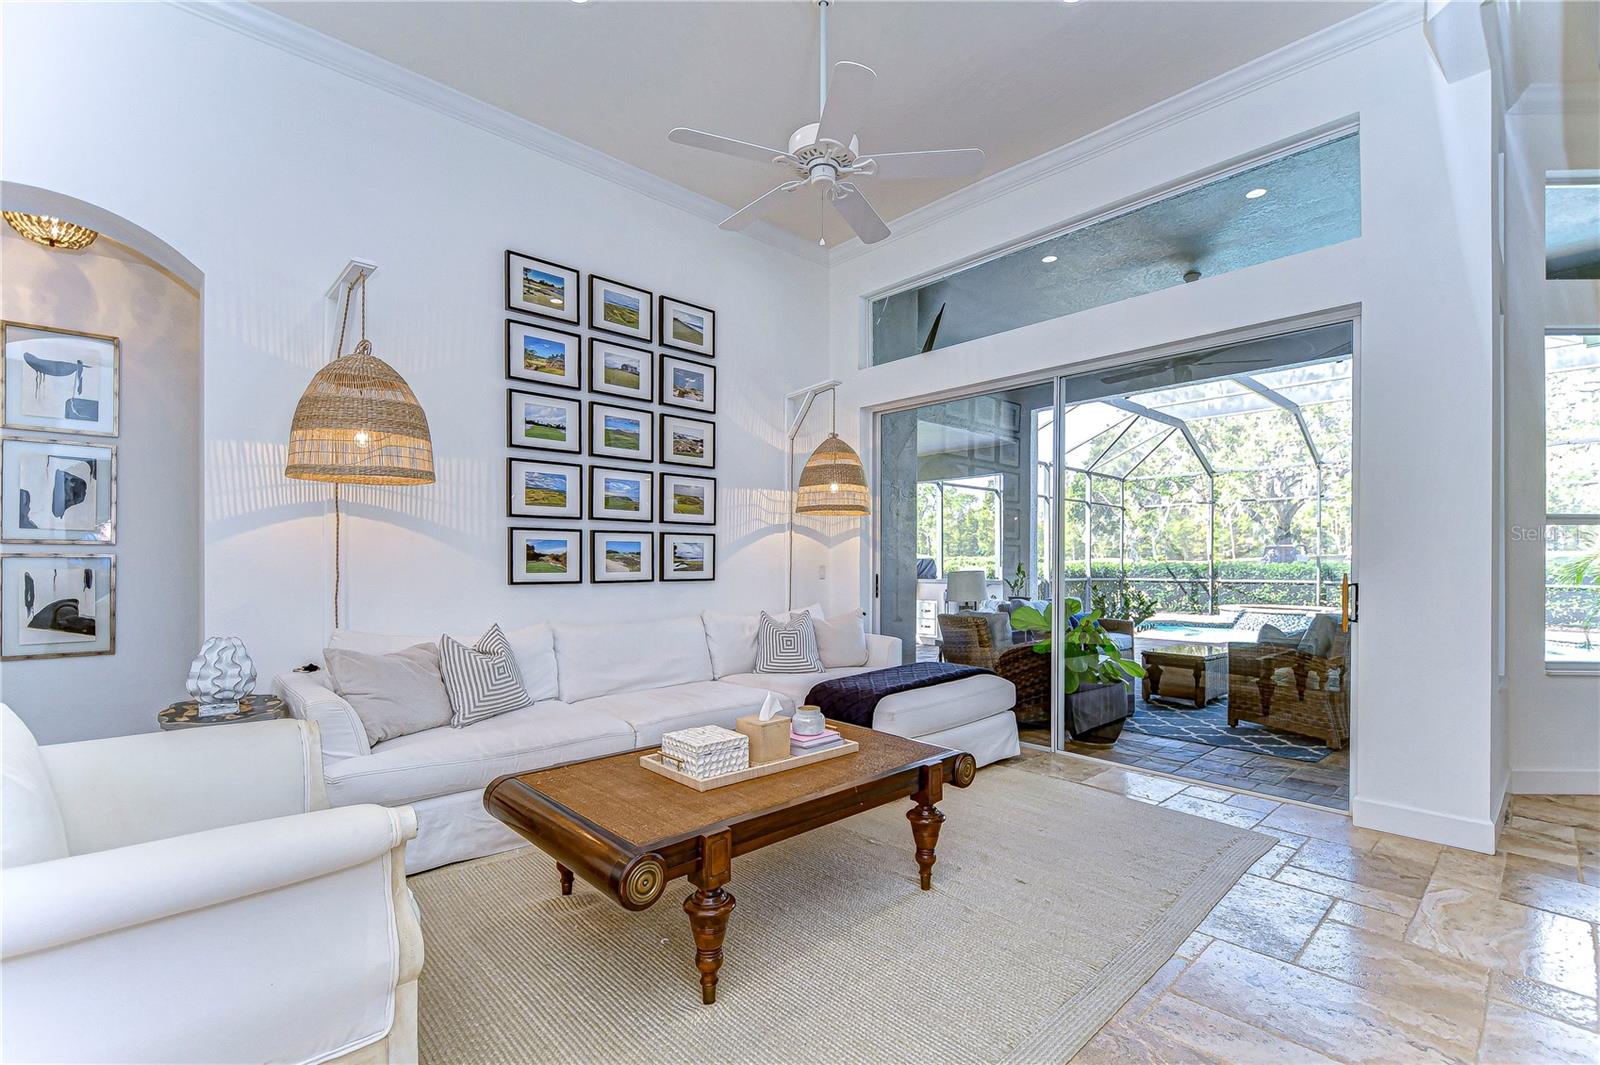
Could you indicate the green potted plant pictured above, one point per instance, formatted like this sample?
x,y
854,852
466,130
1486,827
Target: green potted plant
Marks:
x,y
1096,681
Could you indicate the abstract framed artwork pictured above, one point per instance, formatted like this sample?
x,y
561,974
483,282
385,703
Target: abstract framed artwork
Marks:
x,y
546,423
621,495
538,489
688,384
688,441
618,370
618,308
688,500
621,556
543,356
621,432
544,556
59,380
538,286
688,328
57,491
57,606
688,556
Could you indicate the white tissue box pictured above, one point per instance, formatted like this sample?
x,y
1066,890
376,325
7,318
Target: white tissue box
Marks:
x,y
706,751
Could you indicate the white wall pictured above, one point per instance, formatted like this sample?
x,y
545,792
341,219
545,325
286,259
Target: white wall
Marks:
x,y
108,288
1554,719
269,172
1420,277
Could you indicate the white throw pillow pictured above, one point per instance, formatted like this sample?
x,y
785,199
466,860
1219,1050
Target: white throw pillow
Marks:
x,y
393,694
482,681
842,641
787,646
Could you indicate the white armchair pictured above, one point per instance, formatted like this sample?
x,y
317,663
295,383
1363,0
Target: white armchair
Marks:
x,y
188,897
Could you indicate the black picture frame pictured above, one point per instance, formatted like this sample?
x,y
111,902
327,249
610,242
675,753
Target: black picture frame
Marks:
x,y
512,374
645,334
647,572
596,438
576,301
574,572
664,383
707,350
577,423
647,493
597,383
661,556
664,510
664,454
511,488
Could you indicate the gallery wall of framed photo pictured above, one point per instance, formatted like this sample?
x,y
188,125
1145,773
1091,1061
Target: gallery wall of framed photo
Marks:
x,y
611,399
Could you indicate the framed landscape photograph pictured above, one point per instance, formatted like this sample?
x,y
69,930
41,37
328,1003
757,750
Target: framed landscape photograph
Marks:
x,y
688,441
689,384
537,286
618,308
621,556
688,328
57,606
688,500
548,423
619,370
57,491
688,556
545,556
543,356
621,432
538,489
59,380
621,495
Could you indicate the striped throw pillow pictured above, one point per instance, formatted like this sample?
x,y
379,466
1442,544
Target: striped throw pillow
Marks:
x,y
482,681
787,646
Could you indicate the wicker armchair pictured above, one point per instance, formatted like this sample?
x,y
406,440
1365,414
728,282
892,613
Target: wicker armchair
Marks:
x,y
967,640
1030,672
1288,689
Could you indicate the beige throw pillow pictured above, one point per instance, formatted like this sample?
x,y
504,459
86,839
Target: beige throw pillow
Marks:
x,y
393,695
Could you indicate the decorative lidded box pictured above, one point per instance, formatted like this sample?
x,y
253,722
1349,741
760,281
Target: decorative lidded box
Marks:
x,y
705,751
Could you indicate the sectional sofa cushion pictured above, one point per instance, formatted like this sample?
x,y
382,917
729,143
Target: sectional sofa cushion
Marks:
x,y
596,660
444,761
533,646
924,711
394,694
791,688
650,713
33,828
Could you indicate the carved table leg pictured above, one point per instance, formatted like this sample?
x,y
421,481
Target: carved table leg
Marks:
x,y
1200,686
708,918
566,878
925,820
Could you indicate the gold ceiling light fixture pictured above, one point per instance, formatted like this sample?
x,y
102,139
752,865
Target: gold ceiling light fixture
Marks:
x,y
51,231
358,422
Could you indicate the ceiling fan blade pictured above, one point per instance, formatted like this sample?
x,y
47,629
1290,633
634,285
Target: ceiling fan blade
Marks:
x,y
954,162
758,207
848,90
849,202
694,138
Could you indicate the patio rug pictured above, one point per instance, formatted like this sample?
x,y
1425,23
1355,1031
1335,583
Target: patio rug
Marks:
x,y
1210,727
1052,903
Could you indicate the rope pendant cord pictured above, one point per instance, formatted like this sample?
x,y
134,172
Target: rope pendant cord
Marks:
x,y
336,538
338,349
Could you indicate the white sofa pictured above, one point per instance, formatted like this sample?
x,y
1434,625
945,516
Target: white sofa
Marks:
x,y
601,690
189,897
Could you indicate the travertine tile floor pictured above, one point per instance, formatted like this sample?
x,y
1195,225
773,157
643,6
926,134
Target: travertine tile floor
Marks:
x,y
1348,945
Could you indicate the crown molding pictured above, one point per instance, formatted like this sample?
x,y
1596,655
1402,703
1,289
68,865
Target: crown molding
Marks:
x,y
1557,98
305,43
1355,32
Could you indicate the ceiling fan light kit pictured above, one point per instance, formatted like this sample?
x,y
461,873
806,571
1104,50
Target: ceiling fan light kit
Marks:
x,y
826,154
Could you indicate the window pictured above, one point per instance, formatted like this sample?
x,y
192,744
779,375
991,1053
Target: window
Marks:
x,y
1572,226
958,524
1572,501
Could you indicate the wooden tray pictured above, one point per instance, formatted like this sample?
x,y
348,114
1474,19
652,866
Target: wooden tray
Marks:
x,y
653,762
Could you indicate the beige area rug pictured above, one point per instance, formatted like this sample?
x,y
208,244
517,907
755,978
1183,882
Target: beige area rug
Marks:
x,y
1052,903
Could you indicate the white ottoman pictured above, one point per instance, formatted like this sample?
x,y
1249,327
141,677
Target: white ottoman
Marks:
x,y
972,714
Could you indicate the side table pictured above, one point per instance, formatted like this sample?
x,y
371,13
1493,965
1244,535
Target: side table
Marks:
x,y
251,708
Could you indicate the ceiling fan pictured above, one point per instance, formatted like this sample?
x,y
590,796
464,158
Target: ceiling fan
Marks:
x,y
826,154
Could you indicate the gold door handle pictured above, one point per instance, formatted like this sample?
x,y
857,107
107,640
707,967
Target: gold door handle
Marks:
x,y
1349,596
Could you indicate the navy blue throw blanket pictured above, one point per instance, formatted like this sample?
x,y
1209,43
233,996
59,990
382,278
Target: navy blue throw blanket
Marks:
x,y
853,699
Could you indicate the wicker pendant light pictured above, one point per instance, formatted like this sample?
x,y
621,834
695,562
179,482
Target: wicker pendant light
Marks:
x,y
833,480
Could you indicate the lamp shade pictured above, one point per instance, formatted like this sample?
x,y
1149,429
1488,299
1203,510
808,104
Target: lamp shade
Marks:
x,y
833,482
966,586
359,423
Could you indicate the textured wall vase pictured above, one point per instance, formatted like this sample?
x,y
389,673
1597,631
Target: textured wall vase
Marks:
x,y
221,674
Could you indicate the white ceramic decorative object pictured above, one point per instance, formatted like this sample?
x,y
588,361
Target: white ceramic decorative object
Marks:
x,y
706,751
808,721
220,675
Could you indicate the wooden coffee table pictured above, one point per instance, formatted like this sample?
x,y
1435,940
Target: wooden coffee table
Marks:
x,y
1205,664
628,831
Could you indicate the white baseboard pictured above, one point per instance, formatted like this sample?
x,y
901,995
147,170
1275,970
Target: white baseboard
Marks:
x,y
1555,781
1467,833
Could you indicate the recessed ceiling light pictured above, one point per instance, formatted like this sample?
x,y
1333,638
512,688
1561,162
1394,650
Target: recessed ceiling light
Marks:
x,y
1048,259
1255,194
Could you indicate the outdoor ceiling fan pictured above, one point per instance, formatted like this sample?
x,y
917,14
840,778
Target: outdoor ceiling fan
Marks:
x,y
826,155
